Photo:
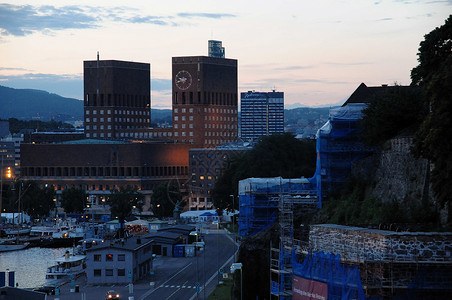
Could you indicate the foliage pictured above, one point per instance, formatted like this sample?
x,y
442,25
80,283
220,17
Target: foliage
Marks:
x,y
16,125
35,201
401,108
275,155
434,72
164,198
254,254
433,52
73,200
353,207
122,202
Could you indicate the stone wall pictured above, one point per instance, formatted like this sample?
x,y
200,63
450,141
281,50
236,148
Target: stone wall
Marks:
x,y
396,174
371,245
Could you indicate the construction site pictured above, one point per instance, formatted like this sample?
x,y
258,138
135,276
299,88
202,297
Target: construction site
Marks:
x,y
334,261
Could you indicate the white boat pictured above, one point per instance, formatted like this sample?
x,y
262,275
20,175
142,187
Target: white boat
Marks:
x,y
12,246
17,231
67,267
43,231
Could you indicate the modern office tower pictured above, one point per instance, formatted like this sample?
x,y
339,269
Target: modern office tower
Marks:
x,y
261,114
204,100
216,49
116,98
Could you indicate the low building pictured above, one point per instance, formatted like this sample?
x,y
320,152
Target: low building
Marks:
x,y
205,168
119,262
100,166
164,242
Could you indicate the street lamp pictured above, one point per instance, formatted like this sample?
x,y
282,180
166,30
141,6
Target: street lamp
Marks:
x,y
233,213
238,266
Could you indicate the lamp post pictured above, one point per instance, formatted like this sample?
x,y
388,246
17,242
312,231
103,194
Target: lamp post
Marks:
x,y
233,213
238,266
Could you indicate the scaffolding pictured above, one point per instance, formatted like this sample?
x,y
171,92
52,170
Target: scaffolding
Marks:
x,y
261,200
338,146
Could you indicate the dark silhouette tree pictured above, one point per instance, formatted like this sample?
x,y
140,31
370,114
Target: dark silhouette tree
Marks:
x,y
276,155
434,73
164,198
401,109
73,200
122,202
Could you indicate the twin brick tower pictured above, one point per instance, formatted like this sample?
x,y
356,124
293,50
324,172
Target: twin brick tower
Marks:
x,y
204,100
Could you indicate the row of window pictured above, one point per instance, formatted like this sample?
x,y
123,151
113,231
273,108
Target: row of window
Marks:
x,y
117,100
120,112
208,110
110,257
216,133
136,120
219,118
205,98
130,134
109,272
104,171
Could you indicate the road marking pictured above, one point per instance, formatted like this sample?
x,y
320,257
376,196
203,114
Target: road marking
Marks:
x,y
213,276
151,291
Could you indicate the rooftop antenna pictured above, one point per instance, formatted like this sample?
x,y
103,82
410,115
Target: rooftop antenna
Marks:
x,y
97,90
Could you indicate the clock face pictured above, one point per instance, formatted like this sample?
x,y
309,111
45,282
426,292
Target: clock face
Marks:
x,y
183,80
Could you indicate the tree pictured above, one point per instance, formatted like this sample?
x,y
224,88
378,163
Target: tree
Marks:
x,y
35,201
121,204
164,198
276,155
73,200
434,72
399,109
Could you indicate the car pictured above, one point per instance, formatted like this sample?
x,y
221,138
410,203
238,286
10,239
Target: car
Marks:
x,y
111,294
48,289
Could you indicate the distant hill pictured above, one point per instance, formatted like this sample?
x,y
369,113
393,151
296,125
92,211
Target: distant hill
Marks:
x,y
27,104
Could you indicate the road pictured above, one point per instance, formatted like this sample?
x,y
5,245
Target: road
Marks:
x,y
174,277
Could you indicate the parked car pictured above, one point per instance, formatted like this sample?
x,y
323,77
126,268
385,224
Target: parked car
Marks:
x,y
111,295
48,289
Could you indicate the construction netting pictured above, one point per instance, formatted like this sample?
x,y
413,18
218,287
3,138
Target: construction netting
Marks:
x,y
259,200
323,276
338,145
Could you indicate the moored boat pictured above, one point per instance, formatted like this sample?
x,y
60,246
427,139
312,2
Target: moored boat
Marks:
x,y
67,267
12,245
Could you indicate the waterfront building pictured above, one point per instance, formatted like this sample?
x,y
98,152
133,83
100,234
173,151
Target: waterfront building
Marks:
x,y
99,166
204,100
117,100
261,114
119,262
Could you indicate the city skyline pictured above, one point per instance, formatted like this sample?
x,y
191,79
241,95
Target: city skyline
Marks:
x,y
316,53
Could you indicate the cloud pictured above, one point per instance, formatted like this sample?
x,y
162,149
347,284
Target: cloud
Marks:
x,y
384,19
347,63
12,69
291,68
205,15
21,20
158,84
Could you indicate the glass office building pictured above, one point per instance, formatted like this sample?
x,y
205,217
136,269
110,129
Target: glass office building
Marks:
x,y
261,114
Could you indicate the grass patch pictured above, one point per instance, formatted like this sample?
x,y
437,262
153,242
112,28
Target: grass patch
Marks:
x,y
222,291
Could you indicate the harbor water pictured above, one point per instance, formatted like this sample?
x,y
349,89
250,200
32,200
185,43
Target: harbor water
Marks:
x,y
30,265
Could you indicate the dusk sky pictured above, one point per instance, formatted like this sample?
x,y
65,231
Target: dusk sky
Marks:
x,y
316,52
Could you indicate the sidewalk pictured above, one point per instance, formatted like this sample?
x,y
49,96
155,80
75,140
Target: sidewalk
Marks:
x,y
164,267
